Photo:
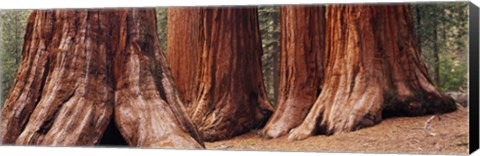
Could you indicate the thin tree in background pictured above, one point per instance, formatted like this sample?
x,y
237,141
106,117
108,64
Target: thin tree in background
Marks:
x,y
162,30
269,17
436,58
1,65
13,29
418,15
276,59
444,53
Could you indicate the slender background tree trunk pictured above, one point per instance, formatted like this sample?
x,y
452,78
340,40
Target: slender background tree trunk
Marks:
x,y
276,58
1,65
436,58
419,23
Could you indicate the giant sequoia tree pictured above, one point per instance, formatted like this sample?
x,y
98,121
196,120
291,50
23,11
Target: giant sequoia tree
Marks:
x,y
184,28
373,68
228,96
83,68
301,66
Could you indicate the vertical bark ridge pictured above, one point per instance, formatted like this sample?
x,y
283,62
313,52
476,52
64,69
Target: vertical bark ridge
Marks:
x,y
374,69
76,85
301,66
183,59
80,64
26,88
230,97
149,113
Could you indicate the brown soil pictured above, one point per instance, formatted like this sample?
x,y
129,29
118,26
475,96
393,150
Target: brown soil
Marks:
x,y
447,135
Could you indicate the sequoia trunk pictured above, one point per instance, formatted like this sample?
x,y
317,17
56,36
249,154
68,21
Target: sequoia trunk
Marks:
x,y
61,94
183,49
301,66
148,110
79,67
229,94
373,66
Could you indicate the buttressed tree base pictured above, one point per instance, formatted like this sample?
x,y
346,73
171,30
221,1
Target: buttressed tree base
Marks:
x,y
301,66
226,97
83,69
372,68
288,77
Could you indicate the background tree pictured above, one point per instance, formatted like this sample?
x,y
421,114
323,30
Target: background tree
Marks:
x,y
230,96
162,27
373,69
13,24
79,67
301,66
1,52
442,30
269,19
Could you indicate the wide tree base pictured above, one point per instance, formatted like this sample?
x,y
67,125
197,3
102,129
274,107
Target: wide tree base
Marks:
x,y
84,69
301,67
365,112
374,69
228,97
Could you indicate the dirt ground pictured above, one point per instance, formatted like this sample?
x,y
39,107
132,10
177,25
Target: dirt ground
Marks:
x,y
449,135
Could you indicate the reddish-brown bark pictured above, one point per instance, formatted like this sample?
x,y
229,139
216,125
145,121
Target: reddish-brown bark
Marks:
x,y
148,109
301,66
229,94
79,67
184,27
373,66
61,95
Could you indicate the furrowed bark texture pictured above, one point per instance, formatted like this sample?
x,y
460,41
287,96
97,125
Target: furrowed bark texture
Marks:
x,y
301,66
80,66
61,95
148,109
229,94
373,66
183,49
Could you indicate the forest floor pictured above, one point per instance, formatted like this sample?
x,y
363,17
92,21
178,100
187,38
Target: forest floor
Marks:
x,y
449,135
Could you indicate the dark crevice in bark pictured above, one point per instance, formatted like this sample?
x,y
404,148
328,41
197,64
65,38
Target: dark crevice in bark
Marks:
x,y
47,124
112,136
386,83
66,83
42,84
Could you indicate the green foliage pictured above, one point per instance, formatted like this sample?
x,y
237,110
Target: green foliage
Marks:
x,y
162,27
453,73
450,20
13,28
269,19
